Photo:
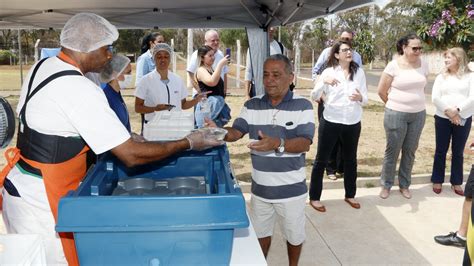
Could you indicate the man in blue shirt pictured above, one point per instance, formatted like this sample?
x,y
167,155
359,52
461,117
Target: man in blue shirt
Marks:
x,y
323,57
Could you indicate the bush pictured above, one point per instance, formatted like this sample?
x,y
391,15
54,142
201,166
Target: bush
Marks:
x,y
5,57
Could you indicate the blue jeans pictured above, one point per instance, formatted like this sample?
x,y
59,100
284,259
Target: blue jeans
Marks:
x,y
448,132
220,112
403,131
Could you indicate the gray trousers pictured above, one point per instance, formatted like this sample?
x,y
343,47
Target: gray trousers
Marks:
x,y
403,131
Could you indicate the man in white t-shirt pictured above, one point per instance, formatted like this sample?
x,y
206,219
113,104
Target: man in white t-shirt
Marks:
x,y
276,47
161,89
63,115
211,38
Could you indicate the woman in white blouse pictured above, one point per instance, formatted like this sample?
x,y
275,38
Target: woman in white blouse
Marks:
x,y
453,96
344,84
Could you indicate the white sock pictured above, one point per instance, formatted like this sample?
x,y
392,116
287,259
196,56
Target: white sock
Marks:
x,y
462,237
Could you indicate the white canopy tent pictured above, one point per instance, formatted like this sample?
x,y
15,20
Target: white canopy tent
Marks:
x,y
255,15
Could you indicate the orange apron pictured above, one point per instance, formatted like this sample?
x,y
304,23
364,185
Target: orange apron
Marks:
x,y
58,177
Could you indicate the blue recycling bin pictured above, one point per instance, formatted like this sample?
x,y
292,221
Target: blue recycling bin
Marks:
x,y
142,216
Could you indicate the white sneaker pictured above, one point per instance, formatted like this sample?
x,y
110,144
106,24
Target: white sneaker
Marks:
x,y
332,177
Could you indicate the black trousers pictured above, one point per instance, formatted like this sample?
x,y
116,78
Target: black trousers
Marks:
x,y
328,134
335,162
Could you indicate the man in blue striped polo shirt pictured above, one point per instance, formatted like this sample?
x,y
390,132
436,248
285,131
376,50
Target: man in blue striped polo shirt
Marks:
x,y
281,128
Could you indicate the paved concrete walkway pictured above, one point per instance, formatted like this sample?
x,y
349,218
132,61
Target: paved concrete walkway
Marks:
x,y
395,231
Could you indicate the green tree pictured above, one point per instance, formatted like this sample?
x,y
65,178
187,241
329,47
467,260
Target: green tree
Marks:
x,y
392,22
359,21
446,23
290,36
317,36
230,36
129,41
365,45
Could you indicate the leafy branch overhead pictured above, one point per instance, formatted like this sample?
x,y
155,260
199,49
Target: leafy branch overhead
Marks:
x,y
447,24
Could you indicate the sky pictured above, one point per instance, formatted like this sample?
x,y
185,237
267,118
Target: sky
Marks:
x,y
382,3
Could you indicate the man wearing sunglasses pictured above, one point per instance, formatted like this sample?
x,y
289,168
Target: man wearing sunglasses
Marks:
x,y
59,126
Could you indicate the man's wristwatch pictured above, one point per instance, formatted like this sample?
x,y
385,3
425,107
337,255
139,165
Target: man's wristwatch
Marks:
x,y
281,148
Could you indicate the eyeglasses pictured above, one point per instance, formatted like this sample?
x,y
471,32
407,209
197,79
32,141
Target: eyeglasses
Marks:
x,y
111,48
416,49
345,50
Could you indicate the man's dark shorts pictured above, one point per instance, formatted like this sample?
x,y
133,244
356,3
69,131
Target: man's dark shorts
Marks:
x,y
469,189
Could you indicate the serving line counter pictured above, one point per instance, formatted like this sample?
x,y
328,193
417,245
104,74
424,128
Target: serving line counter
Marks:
x,y
26,250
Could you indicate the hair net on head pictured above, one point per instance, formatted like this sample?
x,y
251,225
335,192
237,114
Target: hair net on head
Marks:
x,y
113,68
86,32
162,47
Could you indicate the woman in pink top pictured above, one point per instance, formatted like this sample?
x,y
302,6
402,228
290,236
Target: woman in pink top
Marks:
x,y
453,96
401,87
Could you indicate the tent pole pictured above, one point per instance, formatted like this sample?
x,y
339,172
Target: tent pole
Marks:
x,y
20,55
237,66
189,52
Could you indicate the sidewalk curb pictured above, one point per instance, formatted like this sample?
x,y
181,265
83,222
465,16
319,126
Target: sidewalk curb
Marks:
x,y
362,182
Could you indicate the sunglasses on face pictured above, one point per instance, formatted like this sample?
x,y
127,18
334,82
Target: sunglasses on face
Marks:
x,y
416,49
345,50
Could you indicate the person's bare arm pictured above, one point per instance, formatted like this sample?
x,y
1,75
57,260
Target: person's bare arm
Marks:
x,y
185,104
142,109
384,86
232,134
212,80
133,153
193,82
267,143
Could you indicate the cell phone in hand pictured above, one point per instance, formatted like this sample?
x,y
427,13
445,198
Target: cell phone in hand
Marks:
x,y
227,52
170,106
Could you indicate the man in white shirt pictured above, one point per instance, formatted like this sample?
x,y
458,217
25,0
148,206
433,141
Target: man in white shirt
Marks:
x,y
211,38
59,126
276,47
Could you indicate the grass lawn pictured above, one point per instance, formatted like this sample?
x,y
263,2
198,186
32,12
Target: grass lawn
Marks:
x,y
371,143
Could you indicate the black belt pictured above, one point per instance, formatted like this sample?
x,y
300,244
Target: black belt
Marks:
x,y
10,188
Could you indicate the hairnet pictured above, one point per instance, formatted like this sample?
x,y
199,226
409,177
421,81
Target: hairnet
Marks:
x,y
162,47
113,68
86,32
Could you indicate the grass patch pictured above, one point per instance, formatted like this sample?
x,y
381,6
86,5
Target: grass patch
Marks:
x,y
369,185
371,142
374,107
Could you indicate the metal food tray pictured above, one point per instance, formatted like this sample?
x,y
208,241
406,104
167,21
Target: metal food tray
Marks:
x,y
184,185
